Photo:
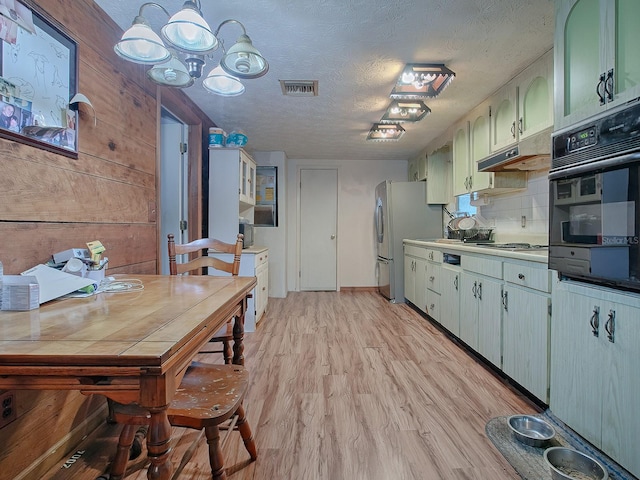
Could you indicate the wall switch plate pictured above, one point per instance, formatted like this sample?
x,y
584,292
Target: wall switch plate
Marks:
x,y
152,212
7,408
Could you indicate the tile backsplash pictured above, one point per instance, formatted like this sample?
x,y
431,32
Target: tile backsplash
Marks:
x,y
524,213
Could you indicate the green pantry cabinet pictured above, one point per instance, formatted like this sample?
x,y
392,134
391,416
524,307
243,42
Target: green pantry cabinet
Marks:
x,y
498,306
597,65
595,356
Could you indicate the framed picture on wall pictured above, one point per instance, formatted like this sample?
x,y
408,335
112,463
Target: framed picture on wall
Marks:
x,y
38,75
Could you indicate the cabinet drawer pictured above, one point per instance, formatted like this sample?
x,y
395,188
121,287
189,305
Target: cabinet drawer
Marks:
x,y
262,258
433,305
434,255
528,275
434,274
414,251
482,265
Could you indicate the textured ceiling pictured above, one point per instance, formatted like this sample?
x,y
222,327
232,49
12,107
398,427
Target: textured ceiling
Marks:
x,y
356,50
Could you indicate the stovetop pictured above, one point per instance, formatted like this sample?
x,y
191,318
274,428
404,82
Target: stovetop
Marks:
x,y
513,246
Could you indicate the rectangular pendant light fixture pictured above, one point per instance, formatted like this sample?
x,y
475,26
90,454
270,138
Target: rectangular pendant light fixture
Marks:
x,y
405,111
381,132
422,80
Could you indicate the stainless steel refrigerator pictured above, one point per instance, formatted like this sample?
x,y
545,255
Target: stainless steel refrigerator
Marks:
x,y
401,212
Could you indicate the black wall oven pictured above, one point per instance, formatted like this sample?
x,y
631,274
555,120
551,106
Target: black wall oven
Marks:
x,y
594,188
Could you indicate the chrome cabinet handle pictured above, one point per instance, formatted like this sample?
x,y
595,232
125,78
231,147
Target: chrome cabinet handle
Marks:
x,y
433,306
455,282
520,123
513,129
479,290
432,278
505,301
475,289
610,326
595,321
521,276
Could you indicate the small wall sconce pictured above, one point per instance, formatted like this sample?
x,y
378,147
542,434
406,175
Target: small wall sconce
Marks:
x,y
77,99
420,80
405,111
381,132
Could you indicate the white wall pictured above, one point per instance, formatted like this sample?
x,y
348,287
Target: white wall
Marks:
x,y
275,238
506,211
357,180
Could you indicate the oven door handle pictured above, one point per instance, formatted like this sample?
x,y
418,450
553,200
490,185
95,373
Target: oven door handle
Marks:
x,y
590,166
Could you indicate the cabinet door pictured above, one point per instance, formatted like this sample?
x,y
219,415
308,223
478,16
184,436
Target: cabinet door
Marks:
x,y
526,339
479,146
410,278
489,293
620,419
596,65
420,294
262,289
504,111
469,309
626,69
413,170
247,179
461,159
439,167
579,59
535,97
576,363
422,167
450,299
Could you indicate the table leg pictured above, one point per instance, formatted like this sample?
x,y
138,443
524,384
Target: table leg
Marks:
x,y
238,339
159,445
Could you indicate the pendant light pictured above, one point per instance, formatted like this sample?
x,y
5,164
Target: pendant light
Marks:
x,y
171,73
188,31
221,83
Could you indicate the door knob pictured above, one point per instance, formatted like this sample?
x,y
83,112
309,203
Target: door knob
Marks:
x,y
333,237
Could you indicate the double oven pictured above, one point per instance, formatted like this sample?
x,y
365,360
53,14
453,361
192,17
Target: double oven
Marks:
x,y
595,199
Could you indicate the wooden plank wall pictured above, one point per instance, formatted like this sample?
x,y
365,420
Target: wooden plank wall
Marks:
x,y
49,202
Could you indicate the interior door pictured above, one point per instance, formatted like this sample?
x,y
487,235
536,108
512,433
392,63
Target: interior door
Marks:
x,y
173,185
318,229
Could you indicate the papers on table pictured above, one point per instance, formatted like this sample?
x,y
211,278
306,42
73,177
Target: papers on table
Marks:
x,y
53,283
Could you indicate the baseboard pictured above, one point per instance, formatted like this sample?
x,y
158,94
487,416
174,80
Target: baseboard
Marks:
x,y
358,289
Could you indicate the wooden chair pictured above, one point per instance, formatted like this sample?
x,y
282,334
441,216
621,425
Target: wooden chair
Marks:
x,y
209,395
225,335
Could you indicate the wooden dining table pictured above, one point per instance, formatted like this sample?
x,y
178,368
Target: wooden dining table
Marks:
x,y
132,345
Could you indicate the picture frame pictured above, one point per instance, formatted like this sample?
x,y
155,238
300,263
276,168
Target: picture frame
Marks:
x,y
38,77
266,207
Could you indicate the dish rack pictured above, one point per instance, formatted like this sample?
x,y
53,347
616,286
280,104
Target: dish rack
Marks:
x,y
478,234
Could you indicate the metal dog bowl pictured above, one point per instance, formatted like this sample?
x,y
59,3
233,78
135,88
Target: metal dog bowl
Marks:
x,y
569,464
531,430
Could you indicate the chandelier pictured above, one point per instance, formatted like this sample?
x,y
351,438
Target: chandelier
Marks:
x,y
186,41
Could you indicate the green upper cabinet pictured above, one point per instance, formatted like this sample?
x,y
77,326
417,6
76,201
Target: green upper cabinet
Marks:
x,y
535,97
596,64
504,113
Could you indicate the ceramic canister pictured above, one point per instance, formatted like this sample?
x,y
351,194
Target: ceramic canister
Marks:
x,y
216,137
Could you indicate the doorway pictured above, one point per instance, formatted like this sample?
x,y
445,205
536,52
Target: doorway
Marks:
x,y
174,202
318,229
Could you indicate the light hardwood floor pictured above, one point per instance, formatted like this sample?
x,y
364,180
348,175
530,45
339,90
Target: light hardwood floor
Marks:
x,y
348,386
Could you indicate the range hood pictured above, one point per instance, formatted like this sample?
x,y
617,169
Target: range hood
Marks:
x,y
531,153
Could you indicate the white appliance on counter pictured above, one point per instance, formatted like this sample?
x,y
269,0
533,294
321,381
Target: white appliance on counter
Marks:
x,y
401,212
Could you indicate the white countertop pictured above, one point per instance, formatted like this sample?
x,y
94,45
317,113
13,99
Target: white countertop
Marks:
x,y
254,249
452,246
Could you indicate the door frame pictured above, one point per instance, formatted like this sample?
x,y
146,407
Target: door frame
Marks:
x,y
198,124
299,169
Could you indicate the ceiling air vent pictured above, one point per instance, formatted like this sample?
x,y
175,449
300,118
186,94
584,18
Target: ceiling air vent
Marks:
x,y
299,88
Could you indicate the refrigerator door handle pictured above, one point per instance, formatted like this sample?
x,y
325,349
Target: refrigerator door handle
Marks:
x,y
379,221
